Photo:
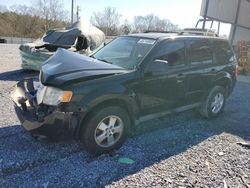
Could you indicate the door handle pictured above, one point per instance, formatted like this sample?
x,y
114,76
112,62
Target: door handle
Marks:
x,y
180,78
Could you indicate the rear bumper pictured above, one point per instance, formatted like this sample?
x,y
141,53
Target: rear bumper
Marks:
x,y
231,88
41,119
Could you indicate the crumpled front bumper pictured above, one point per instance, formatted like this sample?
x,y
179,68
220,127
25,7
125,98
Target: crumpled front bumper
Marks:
x,y
40,119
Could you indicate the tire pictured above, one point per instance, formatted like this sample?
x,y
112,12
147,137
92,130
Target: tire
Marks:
x,y
214,103
105,130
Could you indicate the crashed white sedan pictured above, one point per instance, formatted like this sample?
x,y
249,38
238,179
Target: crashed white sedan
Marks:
x,y
81,37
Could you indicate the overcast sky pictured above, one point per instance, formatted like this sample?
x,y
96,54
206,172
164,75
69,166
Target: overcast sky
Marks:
x,y
185,13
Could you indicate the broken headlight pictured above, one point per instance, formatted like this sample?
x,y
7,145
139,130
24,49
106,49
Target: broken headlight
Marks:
x,y
52,96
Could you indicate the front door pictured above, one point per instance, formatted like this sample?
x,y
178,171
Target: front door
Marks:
x,y
163,85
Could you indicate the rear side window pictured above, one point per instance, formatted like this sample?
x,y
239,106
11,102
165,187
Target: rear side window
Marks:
x,y
173,53
223,52
200,52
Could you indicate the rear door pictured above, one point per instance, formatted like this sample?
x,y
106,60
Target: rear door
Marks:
x,y
202,68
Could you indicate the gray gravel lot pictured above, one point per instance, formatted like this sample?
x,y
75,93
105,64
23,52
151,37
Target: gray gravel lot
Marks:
x,y
180,150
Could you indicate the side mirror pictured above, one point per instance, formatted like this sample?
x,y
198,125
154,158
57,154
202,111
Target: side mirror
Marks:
x,y
157,66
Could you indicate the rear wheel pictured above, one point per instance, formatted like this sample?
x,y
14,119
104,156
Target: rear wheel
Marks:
x,y
214,103
105,130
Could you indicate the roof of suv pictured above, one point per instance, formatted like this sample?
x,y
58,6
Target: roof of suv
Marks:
x,y
185,33
155,35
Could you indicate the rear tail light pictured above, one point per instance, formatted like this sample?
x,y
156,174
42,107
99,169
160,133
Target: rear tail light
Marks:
x,y
235,71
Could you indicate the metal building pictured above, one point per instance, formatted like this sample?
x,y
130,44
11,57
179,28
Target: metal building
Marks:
x,y
235,12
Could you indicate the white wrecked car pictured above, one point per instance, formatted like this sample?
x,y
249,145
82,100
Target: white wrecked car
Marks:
x,y
81,37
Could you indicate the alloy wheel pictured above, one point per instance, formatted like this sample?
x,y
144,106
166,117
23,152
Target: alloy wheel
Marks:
x,y
217,103
109,131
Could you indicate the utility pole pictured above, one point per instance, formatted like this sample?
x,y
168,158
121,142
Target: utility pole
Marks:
x,y
77,13
72,12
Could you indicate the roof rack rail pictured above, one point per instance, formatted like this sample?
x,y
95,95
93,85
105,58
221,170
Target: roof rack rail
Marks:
x,y
197,31
155,31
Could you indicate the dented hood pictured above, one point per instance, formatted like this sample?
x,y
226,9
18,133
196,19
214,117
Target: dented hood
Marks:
x,y
66,67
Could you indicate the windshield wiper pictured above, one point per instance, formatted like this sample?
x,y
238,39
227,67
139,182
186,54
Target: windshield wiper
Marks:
x,y
104,60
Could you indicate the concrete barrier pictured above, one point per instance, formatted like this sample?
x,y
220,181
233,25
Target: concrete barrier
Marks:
x,y
17,40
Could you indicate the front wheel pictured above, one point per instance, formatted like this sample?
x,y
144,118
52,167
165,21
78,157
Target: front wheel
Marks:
x,y
214,103
106,130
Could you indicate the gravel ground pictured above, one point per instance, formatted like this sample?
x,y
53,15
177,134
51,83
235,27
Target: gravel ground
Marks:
x,y
180,150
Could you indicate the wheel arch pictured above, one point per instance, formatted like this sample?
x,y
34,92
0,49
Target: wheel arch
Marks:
x,y
225,82
119,102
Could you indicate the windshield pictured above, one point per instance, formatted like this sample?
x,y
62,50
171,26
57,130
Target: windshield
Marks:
x,y
126,52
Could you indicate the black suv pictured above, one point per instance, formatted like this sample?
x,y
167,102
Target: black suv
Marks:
x,y
99,99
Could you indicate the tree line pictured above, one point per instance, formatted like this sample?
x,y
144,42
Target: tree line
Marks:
x,y
109,21
33,21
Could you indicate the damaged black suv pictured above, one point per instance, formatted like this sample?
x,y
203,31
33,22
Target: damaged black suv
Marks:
x,y
99,99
